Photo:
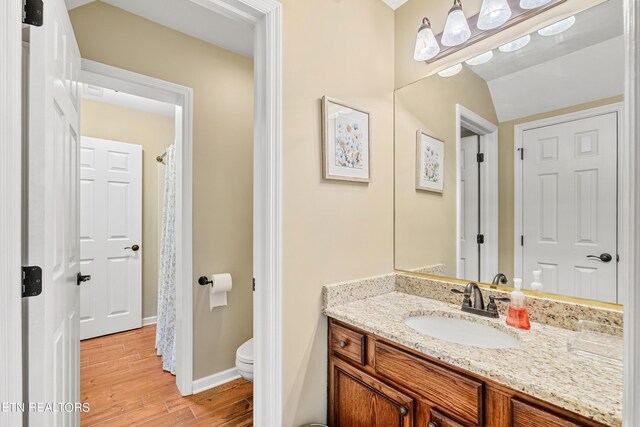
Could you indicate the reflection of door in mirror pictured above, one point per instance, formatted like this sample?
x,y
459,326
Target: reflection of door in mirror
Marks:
x,y
556,210
569,204
470,217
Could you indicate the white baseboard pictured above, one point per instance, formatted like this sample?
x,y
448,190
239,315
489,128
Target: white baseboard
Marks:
x,y
151,320
215,380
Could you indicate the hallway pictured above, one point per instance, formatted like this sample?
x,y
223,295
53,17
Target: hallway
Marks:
x,y
122,379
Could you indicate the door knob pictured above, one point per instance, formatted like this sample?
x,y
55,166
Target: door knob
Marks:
x,y
80,278
603,257
134,248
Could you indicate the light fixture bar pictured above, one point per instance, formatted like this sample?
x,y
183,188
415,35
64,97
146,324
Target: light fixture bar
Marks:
x,y
518,15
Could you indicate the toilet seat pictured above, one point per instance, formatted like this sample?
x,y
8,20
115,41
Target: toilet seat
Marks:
x,y
244,360
244,353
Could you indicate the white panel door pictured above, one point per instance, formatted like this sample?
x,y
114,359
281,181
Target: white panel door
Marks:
x,y
468,264
570,207
51,319
110,236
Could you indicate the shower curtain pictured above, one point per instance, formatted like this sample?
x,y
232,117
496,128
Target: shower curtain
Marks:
x,y
166,317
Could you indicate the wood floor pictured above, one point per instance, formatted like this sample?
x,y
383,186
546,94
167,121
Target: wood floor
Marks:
x,y
122,380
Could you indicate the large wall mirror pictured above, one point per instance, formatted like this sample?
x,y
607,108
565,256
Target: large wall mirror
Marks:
x,y
508,164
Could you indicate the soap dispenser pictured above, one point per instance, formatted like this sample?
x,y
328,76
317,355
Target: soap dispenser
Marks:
x,y
536,285
517,315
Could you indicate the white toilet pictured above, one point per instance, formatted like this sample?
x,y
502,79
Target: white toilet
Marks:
x,y
244,360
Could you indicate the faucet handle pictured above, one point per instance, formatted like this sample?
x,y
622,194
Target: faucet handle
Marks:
x,y
467,297
492,306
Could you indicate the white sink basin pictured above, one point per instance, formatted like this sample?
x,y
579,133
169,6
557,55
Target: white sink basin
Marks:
x,y
461,331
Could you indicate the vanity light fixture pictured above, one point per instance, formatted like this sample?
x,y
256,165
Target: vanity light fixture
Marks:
x,y
460,32
532,4
558,27
515,44
451,71
480,59
493,13
456,30
426,44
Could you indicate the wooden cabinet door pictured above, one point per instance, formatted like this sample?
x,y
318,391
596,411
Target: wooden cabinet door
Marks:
x,y
359,400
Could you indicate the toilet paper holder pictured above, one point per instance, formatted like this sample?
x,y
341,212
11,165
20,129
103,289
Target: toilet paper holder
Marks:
x,y
204,281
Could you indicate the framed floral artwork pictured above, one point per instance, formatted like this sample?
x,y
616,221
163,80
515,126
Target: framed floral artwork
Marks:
x,y
346,141
429,163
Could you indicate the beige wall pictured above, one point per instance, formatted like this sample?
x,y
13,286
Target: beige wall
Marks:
x,y
155,133
506,187
333,231
222,82
425,222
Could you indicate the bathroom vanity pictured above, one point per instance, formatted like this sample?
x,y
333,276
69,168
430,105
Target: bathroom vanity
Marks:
x,y
375,382
385,372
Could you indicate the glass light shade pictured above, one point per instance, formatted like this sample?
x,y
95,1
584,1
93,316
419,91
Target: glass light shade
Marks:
x,y
558,27
451,71
480,59
456,30
532,4
426,44
493,13
516,44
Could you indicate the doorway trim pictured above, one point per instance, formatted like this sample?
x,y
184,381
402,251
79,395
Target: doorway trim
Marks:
x,y
489,181
10,207
629,274
519,130
110,77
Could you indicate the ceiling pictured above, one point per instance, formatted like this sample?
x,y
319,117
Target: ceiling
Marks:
x,y
189,18
121,99
555,72
593,26
394,4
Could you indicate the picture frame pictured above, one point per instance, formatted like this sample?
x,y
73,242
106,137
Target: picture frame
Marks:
x,y
430,163
346,141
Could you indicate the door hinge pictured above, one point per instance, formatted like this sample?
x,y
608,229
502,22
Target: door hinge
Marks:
x,y
480,157
254,284
521,240
480,239
31,281
521,150
32,12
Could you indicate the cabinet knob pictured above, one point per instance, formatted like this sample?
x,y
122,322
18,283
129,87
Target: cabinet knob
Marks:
x,y
404,411
342,344
433,424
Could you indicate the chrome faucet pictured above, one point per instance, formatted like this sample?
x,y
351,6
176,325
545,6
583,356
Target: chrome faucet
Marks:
x,y
477,307
499,278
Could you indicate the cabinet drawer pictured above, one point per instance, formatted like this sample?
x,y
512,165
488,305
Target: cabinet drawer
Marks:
x,y
457,395
347,343
525,415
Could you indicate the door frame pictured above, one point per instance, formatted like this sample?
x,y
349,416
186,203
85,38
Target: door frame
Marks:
x,y
518,252
489,181
629,191
265,16
10,207
106,76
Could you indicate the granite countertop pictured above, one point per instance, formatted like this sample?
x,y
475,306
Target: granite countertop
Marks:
x,y
540,366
